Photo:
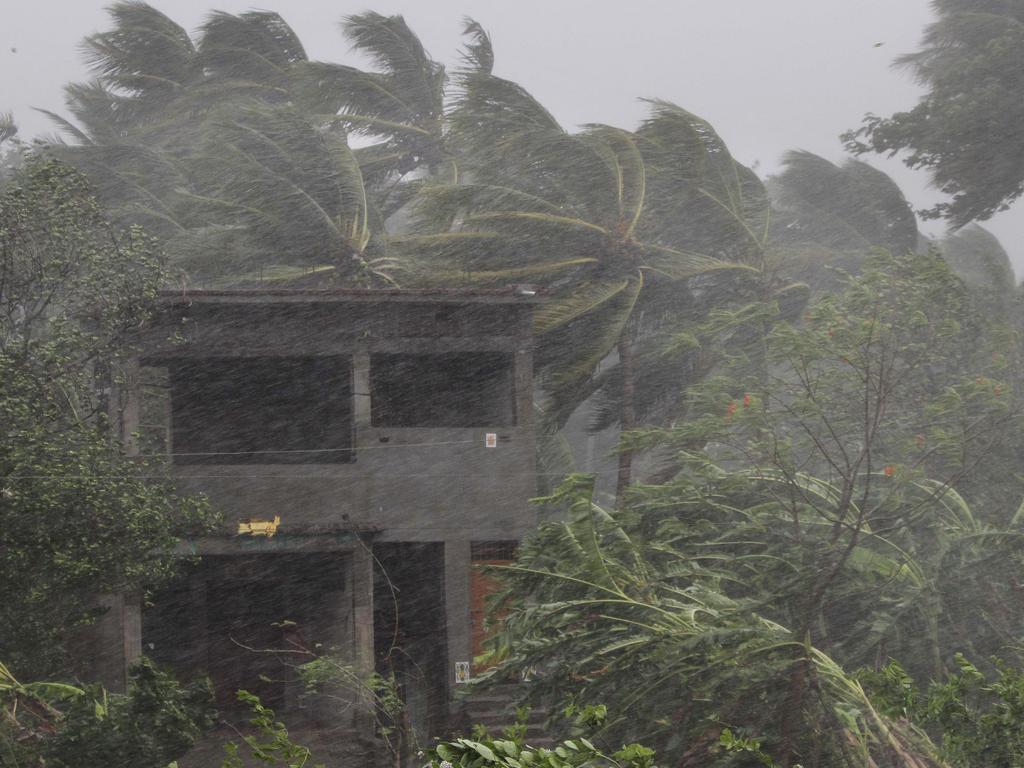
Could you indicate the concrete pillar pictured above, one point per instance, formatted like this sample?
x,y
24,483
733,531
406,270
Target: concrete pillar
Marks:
x,y
524,387
117,636
457,608
362,636
124,403
361,389
131,632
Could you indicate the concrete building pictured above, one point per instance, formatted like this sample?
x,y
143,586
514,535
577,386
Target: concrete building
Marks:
x,y
365,448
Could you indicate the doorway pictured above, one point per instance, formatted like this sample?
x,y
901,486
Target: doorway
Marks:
x,y
409,629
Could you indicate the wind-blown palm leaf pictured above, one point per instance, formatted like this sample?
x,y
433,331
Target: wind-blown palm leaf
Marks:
x,y
8,128
478,53
979,259
147,55
296,192
702,199
624,608
417,79
256,46
584,299
852,207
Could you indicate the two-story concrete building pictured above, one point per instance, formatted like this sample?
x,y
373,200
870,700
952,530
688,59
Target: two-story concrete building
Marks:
x,y
365,447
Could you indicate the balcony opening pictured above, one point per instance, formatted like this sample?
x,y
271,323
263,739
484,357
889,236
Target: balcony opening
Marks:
x,y
460,390
246,621
261,410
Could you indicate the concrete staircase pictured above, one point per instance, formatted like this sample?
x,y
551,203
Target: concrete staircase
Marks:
x,y
494,708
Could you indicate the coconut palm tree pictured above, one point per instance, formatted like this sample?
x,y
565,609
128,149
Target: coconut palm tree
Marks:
x,y
220,147
400,106
268,185
615,222
831,216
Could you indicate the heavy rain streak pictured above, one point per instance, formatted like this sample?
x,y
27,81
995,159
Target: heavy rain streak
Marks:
x,y
563,385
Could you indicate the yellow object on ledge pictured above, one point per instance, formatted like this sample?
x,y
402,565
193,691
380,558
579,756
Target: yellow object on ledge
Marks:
x,y
259,527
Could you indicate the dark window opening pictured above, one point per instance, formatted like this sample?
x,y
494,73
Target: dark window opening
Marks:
x,y
244,620
265,410
465,389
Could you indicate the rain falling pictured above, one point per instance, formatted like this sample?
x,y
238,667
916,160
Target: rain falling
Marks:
x,y
559,385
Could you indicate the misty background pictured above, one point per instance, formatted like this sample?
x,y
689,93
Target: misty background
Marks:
x,y
771,77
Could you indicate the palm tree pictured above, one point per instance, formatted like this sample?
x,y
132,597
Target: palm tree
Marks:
x,y
221,148
979,259
610,219
269,184
831,215
401,106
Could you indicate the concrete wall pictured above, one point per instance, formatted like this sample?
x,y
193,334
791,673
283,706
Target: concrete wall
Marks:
x,y
413,484
405,484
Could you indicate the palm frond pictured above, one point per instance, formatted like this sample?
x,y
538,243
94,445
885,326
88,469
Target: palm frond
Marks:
x,y
585,298
478,53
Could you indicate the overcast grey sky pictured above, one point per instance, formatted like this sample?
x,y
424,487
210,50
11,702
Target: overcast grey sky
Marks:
x,y
770,76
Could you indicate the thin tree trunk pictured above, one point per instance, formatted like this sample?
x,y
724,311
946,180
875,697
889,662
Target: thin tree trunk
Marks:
x,y
627,417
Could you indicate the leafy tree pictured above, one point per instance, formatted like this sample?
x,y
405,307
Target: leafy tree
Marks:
x,y
79,516
965,130
812,526
271,744
510,752
975,717
62,726
150,726
637,616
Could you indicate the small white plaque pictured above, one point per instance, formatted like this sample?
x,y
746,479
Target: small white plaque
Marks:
x,y
491,440
461,671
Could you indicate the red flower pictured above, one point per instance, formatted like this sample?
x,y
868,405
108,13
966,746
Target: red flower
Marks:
x,y
889,470
746,400
730,409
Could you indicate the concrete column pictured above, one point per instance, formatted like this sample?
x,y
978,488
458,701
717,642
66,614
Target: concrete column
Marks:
x,y
457,608
124,402
361,389
362,624
524,387
117,638
131,632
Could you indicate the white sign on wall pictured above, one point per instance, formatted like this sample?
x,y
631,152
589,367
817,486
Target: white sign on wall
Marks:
x,y
461,671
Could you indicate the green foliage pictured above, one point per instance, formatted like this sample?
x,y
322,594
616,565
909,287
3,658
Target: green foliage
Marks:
x,y
79,517
342,685
271,744
964,130
509,753
744,745
153,724
849,209
812,523
976,717
651,612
